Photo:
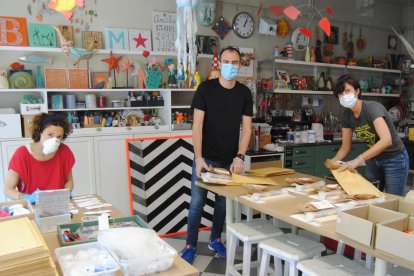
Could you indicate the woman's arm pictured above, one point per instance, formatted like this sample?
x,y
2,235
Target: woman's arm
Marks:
x,y
12,180
346,144
385,139
69,182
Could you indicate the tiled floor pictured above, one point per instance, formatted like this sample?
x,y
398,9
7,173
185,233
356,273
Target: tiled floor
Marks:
x,y
207,262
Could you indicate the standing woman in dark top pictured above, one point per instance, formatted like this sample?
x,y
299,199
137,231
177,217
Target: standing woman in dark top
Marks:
x,y
386,158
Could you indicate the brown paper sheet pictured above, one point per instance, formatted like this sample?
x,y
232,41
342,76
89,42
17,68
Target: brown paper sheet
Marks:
x,y
354,183
242,179
267,172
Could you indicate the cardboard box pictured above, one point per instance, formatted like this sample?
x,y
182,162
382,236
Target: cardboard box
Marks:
x,y
10,126
359,224
399,205
392,240
27,125
24,203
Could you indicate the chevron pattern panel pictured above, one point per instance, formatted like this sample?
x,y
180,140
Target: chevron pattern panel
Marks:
x,y
160,170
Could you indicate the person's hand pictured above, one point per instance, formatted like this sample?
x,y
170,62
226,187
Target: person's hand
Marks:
x,y
352,165
32,197
237,166
332,164
200,165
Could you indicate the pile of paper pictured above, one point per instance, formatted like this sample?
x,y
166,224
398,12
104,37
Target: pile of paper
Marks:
x,y
23,250
268,172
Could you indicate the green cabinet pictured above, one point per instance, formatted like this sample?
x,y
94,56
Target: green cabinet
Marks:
x,y
309,159
324,152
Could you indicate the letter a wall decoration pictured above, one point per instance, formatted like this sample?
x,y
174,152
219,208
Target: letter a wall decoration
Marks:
x,y
13,31
116,39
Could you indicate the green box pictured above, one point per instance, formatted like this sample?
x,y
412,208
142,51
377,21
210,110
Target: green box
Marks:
x,y
74,226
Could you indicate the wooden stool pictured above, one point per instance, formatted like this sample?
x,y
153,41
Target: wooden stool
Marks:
x,y
251,232
290,248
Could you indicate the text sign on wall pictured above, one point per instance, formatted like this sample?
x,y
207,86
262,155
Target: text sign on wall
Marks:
x,y
164,31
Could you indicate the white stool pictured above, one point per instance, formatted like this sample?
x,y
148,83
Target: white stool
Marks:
x,y
399,271
332,265
290,248
251,232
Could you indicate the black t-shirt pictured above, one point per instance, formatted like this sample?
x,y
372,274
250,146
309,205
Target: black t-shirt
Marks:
x,y
365,130
223,113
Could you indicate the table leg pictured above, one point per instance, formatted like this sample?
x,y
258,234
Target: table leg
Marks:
x,y
380,267
229,219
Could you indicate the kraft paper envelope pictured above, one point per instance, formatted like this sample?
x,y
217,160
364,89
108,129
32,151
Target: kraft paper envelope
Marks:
x,y
354,183
266,172
242,179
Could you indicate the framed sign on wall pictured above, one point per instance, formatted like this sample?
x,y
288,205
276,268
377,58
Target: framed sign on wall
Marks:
x,y
164,31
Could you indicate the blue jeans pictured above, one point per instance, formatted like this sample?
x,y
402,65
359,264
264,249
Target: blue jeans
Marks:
x,y
391,173
198,200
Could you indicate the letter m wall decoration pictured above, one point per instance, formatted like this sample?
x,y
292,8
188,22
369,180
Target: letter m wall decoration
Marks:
x,y
13,31
116,39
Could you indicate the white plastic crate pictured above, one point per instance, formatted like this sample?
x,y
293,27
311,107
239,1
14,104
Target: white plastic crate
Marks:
x,y
67,255
143,267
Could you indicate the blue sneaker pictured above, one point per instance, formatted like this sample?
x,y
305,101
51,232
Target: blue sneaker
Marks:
x,y
218,247
189,253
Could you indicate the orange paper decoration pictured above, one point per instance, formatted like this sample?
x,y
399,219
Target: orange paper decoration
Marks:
x,y
325,25
283,27
292,12
329,10
13,31
113,62
306,32
276,10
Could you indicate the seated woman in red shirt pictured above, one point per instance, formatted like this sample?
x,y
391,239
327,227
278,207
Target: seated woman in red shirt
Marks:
x,y
45,164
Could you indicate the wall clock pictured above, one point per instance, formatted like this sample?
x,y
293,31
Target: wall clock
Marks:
x,y
243,25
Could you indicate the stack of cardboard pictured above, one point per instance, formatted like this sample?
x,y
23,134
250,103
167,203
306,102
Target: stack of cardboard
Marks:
x,y
23,250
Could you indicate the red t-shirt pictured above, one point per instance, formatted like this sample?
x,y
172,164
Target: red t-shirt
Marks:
x,y
43,175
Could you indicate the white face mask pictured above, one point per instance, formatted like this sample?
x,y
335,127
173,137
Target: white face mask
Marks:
x,y
348,100
51,145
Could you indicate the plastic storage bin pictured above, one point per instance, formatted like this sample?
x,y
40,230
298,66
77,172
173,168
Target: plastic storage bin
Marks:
x,y
73,226
140,267
24,203
64,256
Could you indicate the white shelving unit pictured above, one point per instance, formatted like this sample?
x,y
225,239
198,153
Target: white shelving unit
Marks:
x,y
317,66
111,94
103,51
302,92
333,65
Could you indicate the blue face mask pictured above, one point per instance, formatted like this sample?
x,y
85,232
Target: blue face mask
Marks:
x,y
229,71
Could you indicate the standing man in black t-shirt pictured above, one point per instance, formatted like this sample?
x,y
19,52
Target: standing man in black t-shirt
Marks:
x,y
220,105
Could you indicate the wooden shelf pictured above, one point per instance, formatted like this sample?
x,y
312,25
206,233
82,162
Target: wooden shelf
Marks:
x,y
103,51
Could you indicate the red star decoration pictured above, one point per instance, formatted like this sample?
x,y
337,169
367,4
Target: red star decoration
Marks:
x,y
113,62
140,41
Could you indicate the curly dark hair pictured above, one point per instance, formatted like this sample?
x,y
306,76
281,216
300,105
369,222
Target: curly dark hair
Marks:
x,y
346,79
43,120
